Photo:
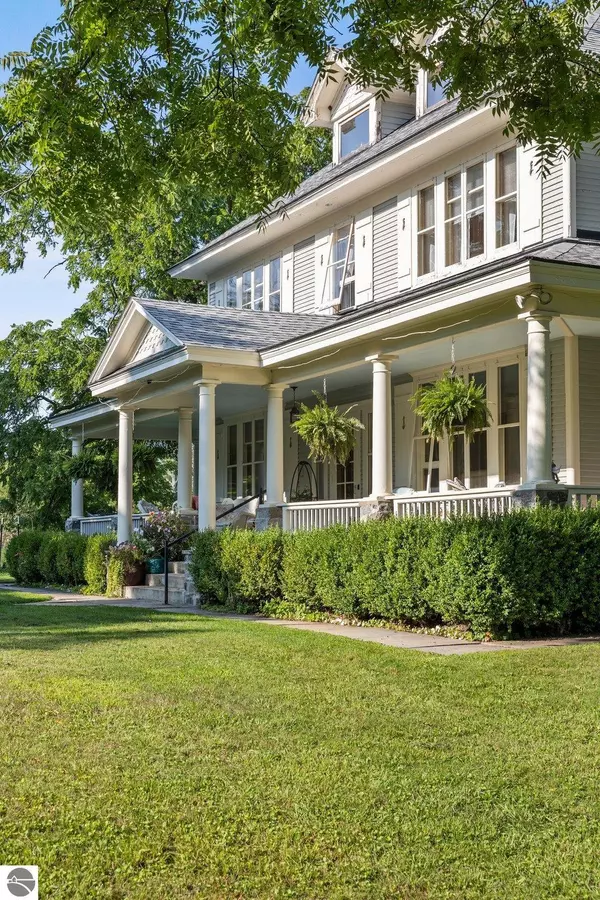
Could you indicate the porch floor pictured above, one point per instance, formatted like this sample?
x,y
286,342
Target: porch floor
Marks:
x,y
403,640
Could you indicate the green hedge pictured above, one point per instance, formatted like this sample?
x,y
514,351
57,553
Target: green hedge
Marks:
x,y
526,573
47,557
96,561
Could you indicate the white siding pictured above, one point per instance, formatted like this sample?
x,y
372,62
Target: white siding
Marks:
x,y
552,203
385,250
393,115
559,442
587,191
304,276
589,409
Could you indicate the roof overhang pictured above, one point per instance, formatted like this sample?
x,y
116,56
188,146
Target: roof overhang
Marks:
x,y
377,172
324,92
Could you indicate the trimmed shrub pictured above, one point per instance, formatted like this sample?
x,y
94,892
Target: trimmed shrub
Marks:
x,y
70,555
95,562
525,573
48,562
23,557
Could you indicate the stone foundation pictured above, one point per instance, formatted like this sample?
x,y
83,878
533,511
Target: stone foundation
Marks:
x,y
376,509
269,516
542,494
191,597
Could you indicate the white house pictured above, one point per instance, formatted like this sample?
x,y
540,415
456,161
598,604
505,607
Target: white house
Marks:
x,y
430,233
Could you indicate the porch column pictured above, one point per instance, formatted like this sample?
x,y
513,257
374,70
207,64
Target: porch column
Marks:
x,y
184,459
207,457
125,476
539,432
76,484
275,410
381,477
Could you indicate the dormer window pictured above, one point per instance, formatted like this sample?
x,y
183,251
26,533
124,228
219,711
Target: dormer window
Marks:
x,y
435,91
354,133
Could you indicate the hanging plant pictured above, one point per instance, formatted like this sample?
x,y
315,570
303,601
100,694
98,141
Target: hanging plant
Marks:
x,y
329,434
451,406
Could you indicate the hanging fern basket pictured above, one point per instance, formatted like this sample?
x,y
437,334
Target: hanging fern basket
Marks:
x,y
452,406
329,434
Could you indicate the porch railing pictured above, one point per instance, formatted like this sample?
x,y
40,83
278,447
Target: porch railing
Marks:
x,y
319,514
106,524
442,506
583,497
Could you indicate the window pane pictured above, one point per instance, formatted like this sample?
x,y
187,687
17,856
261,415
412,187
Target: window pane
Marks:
x,y
478,460
426,247
453,193
258,288
275,285
232,445
480,378
246,290
259,430
259,478
232,482
232,291
435,480
509,394
212,293
458,458
506,173
435,92
506,222
512,455
475,186
354,133
475,235
247,481
348,298
453,242
426,208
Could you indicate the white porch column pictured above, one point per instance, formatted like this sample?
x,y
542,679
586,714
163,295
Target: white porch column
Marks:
x,y
539,432
275,411
184,459
207,456
381,477
76,484
125,475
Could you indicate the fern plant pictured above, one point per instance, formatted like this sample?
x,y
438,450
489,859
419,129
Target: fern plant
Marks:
x,y
451,406
329,434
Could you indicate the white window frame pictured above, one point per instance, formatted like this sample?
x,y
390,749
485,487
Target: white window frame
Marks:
x,y
434,229
512,245
329,300
269,292
492,365
464,216
350,114
238,277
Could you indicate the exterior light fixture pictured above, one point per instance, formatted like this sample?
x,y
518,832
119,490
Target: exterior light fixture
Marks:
x,y
295,410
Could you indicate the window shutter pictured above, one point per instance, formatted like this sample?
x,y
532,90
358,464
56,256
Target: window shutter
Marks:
x,y
304,276
287,280
530,197
404,241
385,249
363,255
322,251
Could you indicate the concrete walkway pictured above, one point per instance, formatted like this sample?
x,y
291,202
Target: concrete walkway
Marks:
x,y
405,640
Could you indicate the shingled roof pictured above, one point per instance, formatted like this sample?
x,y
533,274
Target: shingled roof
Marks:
x,y
232,329
404,134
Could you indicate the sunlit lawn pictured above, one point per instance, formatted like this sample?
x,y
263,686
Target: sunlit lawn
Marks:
x,y
151,755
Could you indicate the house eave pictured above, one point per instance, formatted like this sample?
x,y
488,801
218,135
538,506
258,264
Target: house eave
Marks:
x,y
365,178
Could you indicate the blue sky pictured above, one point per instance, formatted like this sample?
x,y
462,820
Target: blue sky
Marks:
x,y
28,295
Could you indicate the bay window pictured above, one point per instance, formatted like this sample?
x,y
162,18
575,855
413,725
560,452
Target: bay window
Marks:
x,y
506,197
426,230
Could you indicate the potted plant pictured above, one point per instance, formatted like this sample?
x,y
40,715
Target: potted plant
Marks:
x,y
329,434
127,562
451,406
161,526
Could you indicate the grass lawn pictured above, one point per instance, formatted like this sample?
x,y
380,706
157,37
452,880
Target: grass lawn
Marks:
x,y
154,756
5,578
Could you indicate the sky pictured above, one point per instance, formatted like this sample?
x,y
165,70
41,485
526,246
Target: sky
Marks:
x,y
29,295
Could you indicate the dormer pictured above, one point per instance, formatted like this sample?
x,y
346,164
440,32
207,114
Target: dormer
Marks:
x,y
355,114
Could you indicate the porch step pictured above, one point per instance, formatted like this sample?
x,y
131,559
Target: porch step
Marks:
x,y
154,594
177,568
176,582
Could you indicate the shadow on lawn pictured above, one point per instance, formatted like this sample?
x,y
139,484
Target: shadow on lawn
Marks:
x,y
23,627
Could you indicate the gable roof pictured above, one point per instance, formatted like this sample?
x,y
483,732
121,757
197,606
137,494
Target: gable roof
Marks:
x,y
230,329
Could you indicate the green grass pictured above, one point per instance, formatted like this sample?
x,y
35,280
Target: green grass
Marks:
x,y
5,578
10,598
151,755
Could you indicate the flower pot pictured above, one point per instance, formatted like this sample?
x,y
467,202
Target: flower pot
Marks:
x,y
155,566
135,575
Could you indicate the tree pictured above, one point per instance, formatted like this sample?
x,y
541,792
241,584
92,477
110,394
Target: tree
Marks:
x,y
172,115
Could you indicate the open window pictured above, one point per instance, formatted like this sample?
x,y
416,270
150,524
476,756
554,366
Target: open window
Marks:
x,y
354,133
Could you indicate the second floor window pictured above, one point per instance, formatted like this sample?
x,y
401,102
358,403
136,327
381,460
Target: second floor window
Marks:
x,y
231,292
275,285
253,285
506,197
426,230
342,267
464,215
